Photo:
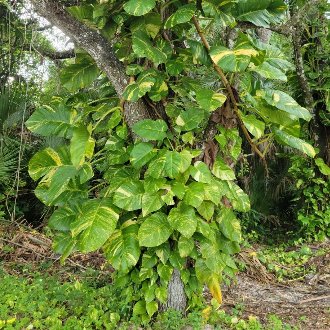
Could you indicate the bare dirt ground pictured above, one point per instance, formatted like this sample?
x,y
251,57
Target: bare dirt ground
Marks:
x,y
304,303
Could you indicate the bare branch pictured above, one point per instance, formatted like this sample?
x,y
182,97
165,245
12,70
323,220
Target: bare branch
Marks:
x,y
44,28
53,55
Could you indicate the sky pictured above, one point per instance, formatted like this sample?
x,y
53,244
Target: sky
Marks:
x,y
55,36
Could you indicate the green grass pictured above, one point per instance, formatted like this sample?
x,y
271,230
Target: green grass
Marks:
x,y
41,301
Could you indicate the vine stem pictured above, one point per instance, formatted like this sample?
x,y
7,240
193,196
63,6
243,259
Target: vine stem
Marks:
x,y
229,90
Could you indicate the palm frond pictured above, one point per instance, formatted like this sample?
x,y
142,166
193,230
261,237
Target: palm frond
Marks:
x,y
8,160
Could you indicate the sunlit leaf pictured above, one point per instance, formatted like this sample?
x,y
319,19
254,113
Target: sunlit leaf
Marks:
x,y
154,230
47,121
122,248
95,224
183,219
294,142
182,15
285,103
139,8
229,224
129,196
151,129
209,100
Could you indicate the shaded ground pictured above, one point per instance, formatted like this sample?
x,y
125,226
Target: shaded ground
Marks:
x,y
257,292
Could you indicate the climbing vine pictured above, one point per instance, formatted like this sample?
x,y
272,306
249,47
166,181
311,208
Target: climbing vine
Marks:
x,y
156,191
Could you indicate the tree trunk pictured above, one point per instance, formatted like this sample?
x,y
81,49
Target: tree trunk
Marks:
x,y
176,296
99,49
299,64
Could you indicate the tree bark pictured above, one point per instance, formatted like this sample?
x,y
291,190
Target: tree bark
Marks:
x,y
299,63
98,48
176,296
264,34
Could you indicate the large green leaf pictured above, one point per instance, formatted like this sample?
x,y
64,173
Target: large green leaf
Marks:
x,y
174,67
209,100
323,167
143,47
151,129
62,218
182,15
154,230
185,246
268,71
206,230
200,172
233,60
151,202
284,102
83,13
82,145
190,119
294,142
229,224
139,8
199,52
176,162
239,199
214,191
141,154
152,24
64,244
222,171
183,219
129,196
132,92
152,307
95,224
55,183
44,162
253,125
158,91
206,210
47,121
260,13
79,75
122,248
143,84
156,168
152,185
273,115
85,172
195,194
212,279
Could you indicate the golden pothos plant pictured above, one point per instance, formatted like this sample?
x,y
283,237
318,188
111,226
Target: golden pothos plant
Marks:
x,y
147,173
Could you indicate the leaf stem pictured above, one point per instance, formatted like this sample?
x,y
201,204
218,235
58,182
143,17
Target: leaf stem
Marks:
x,y
229,90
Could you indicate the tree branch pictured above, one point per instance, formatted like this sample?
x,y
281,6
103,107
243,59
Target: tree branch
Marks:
x,y
44,28
53,55
99,49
